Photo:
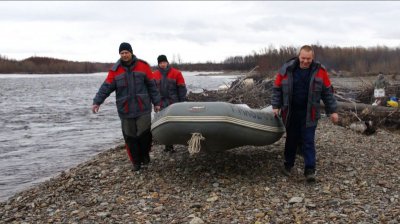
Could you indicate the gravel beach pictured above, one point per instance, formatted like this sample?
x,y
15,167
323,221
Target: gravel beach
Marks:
x,y
358,181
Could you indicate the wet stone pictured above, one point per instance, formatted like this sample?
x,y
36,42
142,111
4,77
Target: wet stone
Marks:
x,y
295,200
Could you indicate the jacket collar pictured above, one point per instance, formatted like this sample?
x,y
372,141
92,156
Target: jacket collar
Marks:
x,y
119,63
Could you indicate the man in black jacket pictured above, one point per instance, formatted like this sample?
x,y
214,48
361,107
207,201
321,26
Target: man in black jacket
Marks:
x,y
298,88
171,84
135,89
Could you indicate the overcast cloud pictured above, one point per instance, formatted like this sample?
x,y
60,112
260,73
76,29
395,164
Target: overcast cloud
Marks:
x,y
196,31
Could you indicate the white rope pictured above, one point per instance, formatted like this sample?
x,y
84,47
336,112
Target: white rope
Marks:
x,y
194,143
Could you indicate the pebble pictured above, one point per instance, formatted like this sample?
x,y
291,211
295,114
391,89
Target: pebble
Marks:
x,y
158,209
196,220
212,199
103,214
260,215
276,200
295,200
311,205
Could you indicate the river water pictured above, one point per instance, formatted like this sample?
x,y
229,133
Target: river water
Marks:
x,y
46,124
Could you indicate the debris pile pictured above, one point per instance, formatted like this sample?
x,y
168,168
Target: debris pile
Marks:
x,y
355,103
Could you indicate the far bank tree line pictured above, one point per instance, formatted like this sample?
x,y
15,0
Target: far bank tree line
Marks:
x,y
355,60
45,65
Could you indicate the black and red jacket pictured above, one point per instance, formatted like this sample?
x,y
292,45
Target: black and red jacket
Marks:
x,y
320,89
171,84
134,88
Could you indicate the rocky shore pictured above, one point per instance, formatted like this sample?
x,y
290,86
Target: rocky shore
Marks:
x,y
358,181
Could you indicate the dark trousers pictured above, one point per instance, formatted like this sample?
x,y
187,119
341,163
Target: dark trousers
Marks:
x,y
137,136
165,103
297,135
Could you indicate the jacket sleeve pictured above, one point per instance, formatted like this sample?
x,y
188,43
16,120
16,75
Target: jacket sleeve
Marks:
x,y
105,89
152,87
327,95
276,99
181,87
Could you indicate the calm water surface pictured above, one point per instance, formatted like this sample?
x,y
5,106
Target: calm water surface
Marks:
x,y
46,124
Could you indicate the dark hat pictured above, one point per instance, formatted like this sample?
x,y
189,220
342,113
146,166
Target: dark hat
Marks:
x,y
162,58
125,46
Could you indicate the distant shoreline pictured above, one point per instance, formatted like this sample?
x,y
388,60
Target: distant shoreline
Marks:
x,y
222,73
68,73
201,73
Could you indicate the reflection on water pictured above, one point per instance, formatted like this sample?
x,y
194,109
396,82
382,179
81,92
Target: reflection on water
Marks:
x,y
47,125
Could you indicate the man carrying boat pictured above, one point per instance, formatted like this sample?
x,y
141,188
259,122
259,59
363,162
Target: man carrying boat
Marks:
x,y
298,88
171,85
135,90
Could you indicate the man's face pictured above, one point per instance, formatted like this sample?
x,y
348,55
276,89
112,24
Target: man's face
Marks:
x,y
125,55
163,64
306,58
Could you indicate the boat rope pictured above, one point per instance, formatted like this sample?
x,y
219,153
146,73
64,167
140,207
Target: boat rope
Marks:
x,y
194,143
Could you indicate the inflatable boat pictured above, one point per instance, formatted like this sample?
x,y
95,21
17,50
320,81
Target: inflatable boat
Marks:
x,y
218,125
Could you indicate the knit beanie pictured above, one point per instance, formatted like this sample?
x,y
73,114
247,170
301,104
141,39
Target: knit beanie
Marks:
x,y
125,46
162,58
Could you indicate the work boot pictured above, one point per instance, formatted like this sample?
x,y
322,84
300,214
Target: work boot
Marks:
x,y
136,167
299,149
146,159
286,170
169,148
145,147
133,152
310,175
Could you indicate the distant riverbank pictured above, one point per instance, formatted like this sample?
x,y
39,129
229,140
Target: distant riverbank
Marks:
x,y
223,73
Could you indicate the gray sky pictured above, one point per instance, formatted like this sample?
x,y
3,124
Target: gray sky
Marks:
x,y
196,31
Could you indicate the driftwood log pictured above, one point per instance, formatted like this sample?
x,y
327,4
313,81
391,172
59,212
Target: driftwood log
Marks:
x,y
377,113
371,108
372,117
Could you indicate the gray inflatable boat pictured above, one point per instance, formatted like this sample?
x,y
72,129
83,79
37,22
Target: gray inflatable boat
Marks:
x,y
218,125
